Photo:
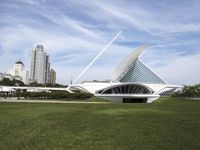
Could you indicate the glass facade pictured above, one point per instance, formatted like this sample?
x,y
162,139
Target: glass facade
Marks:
x,y
139,73
167,92
126,89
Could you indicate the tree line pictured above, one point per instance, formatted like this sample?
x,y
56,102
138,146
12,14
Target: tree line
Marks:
x,y
14,82
64,95
8,82
189,91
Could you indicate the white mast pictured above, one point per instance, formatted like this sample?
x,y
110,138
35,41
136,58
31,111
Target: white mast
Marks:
x,y
101,52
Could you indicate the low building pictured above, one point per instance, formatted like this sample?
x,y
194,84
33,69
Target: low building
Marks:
x,y
6,75
9,76
1,76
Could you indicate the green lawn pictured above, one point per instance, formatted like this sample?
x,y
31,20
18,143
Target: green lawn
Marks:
x,y
170,124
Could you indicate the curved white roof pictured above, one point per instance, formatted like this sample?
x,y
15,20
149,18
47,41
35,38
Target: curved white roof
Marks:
x,y
127,62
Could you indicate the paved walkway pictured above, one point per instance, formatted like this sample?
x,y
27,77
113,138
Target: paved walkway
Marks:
x,y
49,101
195,98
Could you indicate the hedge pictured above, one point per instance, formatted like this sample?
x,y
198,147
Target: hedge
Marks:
x,y
56,95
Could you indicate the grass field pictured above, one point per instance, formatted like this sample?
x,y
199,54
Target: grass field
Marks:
x,y
170,124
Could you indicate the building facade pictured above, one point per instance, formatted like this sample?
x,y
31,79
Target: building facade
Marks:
x,y
17,72
39,71
47,70
52,76
1,76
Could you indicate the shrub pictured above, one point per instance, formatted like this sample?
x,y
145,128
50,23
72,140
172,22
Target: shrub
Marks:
x,y
56,95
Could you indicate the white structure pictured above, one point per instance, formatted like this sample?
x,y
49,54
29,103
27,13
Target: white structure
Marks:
x,y
40,66
131,81
17,72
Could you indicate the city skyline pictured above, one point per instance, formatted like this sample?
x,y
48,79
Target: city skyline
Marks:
x,y
75,31
40,70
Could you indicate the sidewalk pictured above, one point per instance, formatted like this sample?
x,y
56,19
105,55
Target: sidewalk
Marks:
x,y
48,101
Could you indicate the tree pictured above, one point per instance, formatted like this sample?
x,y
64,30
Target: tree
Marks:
x,y
18,93
8,82
189,91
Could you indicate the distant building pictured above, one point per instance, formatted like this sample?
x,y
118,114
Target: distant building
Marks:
x,y
47,70
5,75
1,76
27,77
40,65
17,72
52,76
9,76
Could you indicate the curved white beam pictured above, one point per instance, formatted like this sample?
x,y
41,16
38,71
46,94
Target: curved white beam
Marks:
x,y
127,61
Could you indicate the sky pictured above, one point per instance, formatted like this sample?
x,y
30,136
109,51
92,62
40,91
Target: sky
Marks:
x,y
74,32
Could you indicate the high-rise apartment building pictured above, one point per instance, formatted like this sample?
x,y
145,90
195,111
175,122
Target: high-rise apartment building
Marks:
x,y
52,76
39,71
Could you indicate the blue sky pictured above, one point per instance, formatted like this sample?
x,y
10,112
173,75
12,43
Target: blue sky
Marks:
x,y
74,31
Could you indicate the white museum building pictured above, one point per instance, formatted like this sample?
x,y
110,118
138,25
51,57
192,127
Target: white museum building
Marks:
x,y
132,82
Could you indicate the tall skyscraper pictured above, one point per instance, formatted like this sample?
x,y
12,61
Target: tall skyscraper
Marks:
x,y
52,76
39,71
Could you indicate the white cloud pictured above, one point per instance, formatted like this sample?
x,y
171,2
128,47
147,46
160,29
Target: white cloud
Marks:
x,y
121,13
181,70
